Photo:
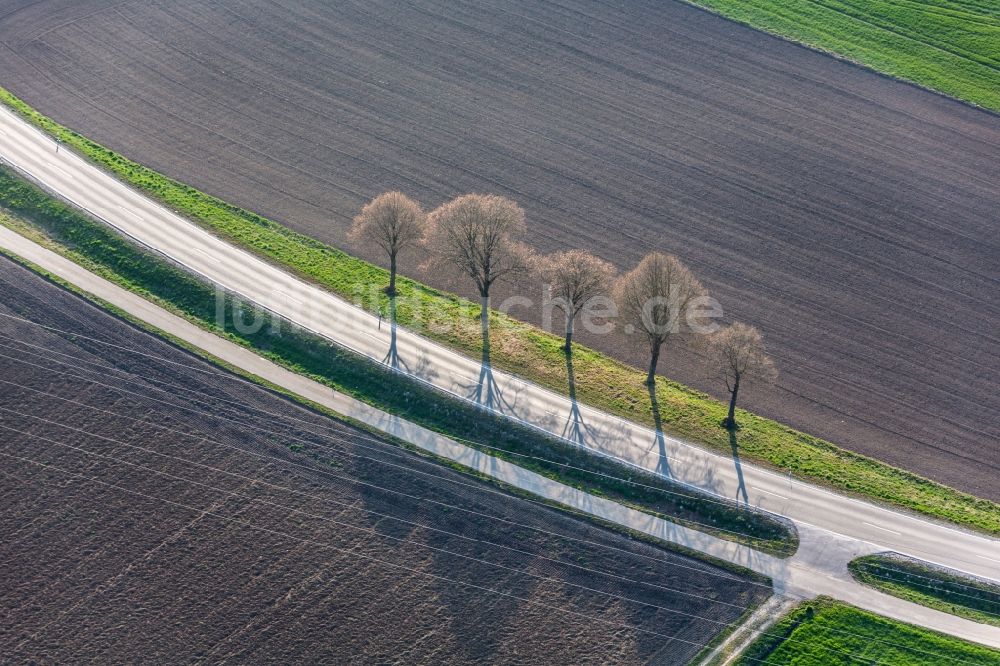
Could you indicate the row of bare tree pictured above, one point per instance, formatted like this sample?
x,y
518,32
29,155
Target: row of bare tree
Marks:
x,y
481,237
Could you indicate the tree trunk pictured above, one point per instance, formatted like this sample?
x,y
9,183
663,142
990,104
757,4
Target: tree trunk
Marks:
x,y
484,320
569,333
731,419
392,276
654,358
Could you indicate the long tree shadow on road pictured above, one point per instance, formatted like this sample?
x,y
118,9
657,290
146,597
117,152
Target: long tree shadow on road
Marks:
x,y
741,490
486,391
392,358
660,441
575,430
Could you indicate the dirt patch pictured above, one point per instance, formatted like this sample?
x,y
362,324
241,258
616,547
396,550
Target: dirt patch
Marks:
x,y
159,510
851,217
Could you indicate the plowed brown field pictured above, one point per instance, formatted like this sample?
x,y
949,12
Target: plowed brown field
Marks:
x,y
851,217
157,510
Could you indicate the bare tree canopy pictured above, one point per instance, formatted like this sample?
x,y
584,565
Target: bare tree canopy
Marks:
x,y
736,355
393,222
480,236
653,298
575,277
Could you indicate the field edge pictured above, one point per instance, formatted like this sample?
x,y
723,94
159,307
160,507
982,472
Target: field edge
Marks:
x,y
990,101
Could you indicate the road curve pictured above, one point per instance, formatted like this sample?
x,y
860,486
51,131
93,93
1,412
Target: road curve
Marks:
x,y
88,187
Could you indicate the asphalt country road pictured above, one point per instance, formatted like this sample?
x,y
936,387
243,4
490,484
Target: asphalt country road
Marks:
x,y
838,526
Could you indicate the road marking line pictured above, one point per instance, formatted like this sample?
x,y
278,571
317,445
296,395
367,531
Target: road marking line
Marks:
x,y
210,256
132,213
768,492
59,169
289,297
886,529
988,558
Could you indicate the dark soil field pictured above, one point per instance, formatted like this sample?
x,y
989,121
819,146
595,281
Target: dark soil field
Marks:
x,y
158,510
851,217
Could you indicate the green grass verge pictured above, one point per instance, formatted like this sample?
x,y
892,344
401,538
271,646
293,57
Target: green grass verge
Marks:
x,y
519,348
826,633
107,253
934,587
951,46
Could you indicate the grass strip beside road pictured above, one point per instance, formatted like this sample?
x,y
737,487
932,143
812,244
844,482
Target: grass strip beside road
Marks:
x,y
529,352
110,255
934,587
951,46
824,632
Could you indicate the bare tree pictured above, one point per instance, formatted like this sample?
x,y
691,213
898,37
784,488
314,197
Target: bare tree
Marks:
x,y
575,277
653,297
736,354
480,236
393,222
